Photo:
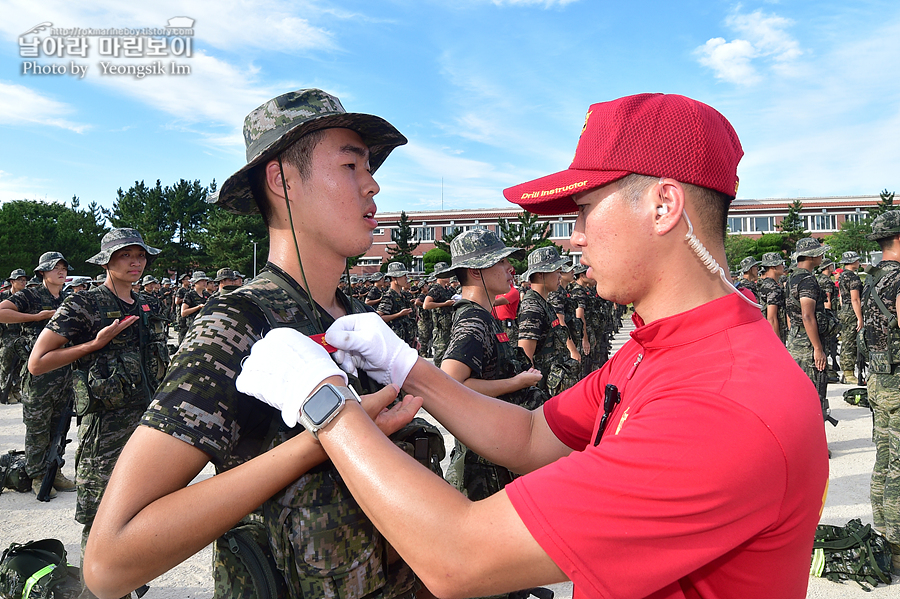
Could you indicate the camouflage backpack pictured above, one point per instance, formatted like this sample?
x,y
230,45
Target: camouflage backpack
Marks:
x,y
852,552
858,396
12,472
312,539
38,570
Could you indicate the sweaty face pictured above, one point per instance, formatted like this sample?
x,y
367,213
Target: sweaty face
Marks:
x,y
58,275
498,278
127,264
337,205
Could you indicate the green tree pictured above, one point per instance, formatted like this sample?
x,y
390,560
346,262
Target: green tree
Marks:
x,y
80,232
432,257
852,238
405,242
793,226
738,247
770,242
885,204
227,240
443,243
527,233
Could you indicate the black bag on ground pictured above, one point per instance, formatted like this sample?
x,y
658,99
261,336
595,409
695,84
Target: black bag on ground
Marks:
x,y
851,552
858,396
38,570
12,472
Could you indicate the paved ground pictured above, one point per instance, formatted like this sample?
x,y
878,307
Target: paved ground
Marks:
x,y
23,519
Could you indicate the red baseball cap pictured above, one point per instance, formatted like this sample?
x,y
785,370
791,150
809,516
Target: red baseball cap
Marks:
x,y
659,135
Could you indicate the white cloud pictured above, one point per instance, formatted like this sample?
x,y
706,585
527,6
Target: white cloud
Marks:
x,y
544,3
20,104
14,188
764,40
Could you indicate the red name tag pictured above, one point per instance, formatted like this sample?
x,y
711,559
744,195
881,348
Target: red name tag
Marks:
x,y
502,337
320,339
145,307
555,323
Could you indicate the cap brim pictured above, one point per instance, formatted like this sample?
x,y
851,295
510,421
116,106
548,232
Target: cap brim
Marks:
x,y
553,194
379,135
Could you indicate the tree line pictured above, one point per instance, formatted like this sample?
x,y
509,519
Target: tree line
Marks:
x,y
174,218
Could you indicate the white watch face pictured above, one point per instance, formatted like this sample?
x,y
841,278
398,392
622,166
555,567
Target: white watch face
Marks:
x,y
322,404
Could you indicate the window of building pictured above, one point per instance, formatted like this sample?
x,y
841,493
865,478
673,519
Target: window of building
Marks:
x,y
856,217
378,231
735,224
425,233
763,224
821,222
561,230
418,264
369,262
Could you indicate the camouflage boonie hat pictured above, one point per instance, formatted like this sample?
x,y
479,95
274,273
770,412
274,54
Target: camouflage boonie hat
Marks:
x,y
545,259
396,270
885,225
579,269
277,124
771,259
376,276
224,273
77,281
826,265
166,281
183,277
849,257
748,263
34,282
477,248
49,260
810,247
148,279
440,267
100,279
198,276
118,239
17,274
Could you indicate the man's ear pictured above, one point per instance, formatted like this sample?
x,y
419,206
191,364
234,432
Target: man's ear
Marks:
x,y
667,200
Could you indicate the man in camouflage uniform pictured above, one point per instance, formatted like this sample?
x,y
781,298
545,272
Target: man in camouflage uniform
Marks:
x,y
379,284
321,541
440,301
565,306
425,322
541,334
11,363
227,280
749,275
771,294
578,291
394,308
805,306
43,396
194,299
480,355
883,341
185,282
826,283
117,340
850,315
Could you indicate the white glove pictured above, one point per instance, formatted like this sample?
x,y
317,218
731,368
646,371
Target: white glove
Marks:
x,y
282,370
365,341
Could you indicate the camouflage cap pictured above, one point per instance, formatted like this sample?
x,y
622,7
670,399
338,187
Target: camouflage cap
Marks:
x,y
849,257
885,225
224,273
748,263
810,247
545,259
166,281
118,239
277,124
183,277
396,270
771,259
49,260
579,269
100,279
78,281
148,279
439,267
198,276
826,265
34,282
17,274
477,248
377,276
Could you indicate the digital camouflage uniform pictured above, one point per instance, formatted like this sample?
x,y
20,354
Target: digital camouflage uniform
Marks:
x,y
848,281
771,294
425,326
802,284
180,294
320,538
12,364
116,376
538,322
443,319
830,342
43,396
404,327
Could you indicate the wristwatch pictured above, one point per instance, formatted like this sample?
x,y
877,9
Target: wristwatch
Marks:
x,y
322,406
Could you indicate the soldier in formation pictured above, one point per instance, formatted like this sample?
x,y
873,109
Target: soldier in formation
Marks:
x,y
44,396
116,341
830,340
771,293
882,337
749,275
12,363
440,301
851,317
394,307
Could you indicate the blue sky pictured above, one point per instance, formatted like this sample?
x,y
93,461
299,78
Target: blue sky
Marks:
x,y
489,93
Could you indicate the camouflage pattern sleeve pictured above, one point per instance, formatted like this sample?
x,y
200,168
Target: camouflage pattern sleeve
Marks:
x,y
386,305
557,300
532,319
470,340
197,401
26,301
77,319
374,294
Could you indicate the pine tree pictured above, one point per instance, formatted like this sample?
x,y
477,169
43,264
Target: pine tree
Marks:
x,y
405,242
793,226
444,242
884,205
527,233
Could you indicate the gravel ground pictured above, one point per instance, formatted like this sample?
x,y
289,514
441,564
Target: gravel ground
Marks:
x,y
22,518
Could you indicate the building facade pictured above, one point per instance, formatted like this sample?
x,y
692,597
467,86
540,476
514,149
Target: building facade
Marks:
x,y
754,218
